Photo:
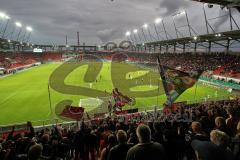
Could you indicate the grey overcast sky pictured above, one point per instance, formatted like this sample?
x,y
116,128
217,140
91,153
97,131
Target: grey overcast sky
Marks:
x,y
99,21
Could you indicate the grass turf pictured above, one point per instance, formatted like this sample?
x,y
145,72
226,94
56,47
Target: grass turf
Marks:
x,y
24,95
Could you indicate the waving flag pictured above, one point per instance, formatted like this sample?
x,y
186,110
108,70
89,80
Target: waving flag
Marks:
x,y
72,112
120,99
175,82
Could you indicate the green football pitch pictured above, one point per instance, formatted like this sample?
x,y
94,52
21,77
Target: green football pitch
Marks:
x,y
24,96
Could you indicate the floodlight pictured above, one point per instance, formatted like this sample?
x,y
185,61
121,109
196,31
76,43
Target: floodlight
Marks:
x,y
182,12
9,40
195,37
7,17
18,24
135,31
128,33
28,28
2,15
158,20
145,26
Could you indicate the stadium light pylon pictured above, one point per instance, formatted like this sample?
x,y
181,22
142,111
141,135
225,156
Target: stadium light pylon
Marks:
x,y
18,25
29,30
156,22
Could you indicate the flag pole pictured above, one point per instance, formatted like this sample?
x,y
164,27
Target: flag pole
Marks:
x,y
158,91
50,101
162,74
195,92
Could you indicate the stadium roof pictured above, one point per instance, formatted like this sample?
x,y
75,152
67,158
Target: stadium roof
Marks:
x,y
225,3
16,43
214,37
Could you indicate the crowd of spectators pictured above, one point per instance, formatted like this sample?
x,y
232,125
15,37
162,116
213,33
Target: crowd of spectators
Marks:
x,y
203,131
215,63
227,65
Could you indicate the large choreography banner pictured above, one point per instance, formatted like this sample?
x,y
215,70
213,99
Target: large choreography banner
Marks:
x,y
104,86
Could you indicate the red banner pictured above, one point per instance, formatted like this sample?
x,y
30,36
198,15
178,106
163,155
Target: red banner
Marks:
x,y
73,112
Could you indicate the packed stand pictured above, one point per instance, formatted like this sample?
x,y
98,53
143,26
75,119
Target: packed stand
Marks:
x,y
205,131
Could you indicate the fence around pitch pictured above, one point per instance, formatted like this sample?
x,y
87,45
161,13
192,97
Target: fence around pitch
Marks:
x,y
40,124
